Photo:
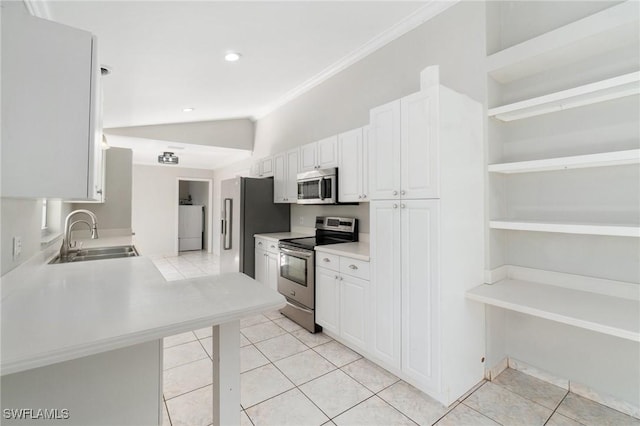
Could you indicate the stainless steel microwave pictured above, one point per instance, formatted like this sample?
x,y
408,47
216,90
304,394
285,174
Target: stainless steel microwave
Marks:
x,y
318,186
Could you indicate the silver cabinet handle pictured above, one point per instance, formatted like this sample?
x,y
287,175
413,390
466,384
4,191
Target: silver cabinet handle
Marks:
x,y
359,197
395,192
326,259
402,206
340,278
336,277
364,195
395,206
403,192
259,243
354,267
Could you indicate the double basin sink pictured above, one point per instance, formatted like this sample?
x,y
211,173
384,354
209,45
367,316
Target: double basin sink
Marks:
x,y
97,253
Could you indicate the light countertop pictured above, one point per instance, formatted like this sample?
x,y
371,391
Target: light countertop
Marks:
x,y
54,313
277,236
358,250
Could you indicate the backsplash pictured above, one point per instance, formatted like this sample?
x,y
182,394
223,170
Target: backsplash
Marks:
x,y
305,215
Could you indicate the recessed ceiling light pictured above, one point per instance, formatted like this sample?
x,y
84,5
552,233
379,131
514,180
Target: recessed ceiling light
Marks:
x,y
231,57
187,109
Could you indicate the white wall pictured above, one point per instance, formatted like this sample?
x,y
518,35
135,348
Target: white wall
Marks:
x,y
115,212
154,212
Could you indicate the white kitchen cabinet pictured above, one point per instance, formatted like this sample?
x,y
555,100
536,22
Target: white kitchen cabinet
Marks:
x,y
352,166
285,171
404,143
426,252
319,155
266,262
50,100
262,167
328,300
386,275
342,299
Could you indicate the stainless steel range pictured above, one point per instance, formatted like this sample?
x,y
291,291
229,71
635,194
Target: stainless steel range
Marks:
x,y
297,270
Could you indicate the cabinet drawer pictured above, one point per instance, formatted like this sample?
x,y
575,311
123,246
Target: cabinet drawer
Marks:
x,y
261,243
272,246
329,261
354,267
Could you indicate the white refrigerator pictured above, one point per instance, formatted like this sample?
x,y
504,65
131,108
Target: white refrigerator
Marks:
x,y
190,227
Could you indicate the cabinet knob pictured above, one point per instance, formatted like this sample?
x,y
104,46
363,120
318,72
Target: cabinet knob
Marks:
x,y
354,267
326,259
403,192
395,192
340,278
364,195
359,197
336,277
272,246
402,206
259,243
99,191
395,206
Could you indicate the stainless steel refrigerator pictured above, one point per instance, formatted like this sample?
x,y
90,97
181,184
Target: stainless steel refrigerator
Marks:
x,y
247,209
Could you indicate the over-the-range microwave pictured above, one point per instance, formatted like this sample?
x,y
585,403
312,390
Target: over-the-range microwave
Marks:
x,y
318,186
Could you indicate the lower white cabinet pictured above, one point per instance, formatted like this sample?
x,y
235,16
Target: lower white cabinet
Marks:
x,y
266,263
342,301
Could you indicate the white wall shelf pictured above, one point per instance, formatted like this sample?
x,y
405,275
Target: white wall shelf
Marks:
x,y
614,158
568,228
615,316
602,32
599,91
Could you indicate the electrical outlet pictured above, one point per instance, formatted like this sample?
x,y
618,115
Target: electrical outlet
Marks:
x,y
17,247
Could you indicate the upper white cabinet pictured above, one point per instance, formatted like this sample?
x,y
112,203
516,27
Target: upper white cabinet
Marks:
x,y
50,97
353,170
264,167
285,171
426,252
404,148
319,155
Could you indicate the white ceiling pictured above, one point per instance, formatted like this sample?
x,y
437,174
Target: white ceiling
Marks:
x,y
167,56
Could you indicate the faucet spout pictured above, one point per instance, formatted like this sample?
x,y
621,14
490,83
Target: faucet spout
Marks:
x,y
68,225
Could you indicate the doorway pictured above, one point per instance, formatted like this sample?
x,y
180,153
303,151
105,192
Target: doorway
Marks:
x,y
194,201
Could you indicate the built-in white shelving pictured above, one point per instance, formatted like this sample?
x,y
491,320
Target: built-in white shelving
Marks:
x,y
568,228
615,316
615,158
602,32
599,91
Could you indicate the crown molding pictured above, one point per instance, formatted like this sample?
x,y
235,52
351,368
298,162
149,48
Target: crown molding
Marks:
x,y
420,16
39,8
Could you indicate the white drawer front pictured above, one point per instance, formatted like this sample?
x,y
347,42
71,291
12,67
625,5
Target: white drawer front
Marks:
x,y
354,267
272,246
261,243
329,261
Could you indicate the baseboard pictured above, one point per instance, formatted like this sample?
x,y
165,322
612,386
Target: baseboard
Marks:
x,y
575,387
493,372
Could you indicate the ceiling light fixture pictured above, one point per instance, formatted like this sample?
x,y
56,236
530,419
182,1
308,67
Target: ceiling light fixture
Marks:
x,y
187,109
168,158
232,57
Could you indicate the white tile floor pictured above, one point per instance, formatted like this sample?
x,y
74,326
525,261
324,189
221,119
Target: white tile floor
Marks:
x,y
291,377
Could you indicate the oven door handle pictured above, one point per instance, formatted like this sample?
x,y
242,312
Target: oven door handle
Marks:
x,y
296,252
309,311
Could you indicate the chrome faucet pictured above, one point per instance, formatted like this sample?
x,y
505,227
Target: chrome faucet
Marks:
x,y
67,246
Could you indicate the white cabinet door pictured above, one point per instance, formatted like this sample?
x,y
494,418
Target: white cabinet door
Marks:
x,y
279,178
272,270
420,292
354,310
328,300
327,152
384,152
261,266
365,164
308,156
50,80
419,148
385,269
291,186
266,167
350,166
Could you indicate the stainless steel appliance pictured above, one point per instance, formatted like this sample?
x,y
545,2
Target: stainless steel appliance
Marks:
x,y
296,264
247,209
318,186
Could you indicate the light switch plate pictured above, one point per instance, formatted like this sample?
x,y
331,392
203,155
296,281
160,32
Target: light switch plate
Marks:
x,y
17,247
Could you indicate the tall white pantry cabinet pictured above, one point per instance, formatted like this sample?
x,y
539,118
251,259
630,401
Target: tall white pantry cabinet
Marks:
x,y
427,239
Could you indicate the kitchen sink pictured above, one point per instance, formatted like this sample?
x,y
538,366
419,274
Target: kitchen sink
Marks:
x,y
97,253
